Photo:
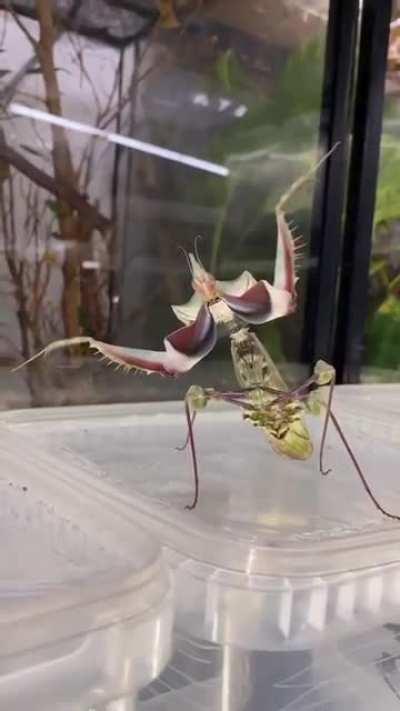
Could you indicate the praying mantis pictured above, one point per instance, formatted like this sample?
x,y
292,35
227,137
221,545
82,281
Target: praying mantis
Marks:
x,y
262,395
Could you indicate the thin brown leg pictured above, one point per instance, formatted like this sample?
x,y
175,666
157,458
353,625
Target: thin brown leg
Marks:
x,y
183,446
323,471
359,471
194,457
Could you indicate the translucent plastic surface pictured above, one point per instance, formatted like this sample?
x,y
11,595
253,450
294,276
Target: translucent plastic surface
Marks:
x,y
259,516
85,609
358,674
287,584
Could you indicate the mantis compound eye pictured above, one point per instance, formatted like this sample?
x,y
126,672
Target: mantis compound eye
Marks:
x,y
197,397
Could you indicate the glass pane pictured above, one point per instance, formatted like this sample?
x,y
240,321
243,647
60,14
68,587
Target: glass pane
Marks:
x,y
173,119
382,357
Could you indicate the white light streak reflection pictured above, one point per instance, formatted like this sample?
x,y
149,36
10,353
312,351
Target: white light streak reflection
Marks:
x,y
133,143
91,264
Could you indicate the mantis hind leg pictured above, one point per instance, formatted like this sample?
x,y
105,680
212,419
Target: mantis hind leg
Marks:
x,y
197,399
324,375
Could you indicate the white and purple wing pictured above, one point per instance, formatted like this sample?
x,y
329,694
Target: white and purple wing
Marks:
x,y
263,301
237,286
187,312
259,304
255,302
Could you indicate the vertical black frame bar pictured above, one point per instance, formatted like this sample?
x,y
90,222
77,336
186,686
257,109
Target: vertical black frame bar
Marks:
x,y
329,195
363,177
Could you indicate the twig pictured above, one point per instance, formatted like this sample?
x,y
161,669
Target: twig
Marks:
x,y
61,190
31,39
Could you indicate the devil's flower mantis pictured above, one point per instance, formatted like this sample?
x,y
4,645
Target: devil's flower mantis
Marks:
x,y
262,395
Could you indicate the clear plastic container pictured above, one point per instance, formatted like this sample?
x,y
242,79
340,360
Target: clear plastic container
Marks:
x,y
287,584
85,600
379,405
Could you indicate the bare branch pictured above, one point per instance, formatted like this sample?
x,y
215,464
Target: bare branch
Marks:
x,y
58,188
3,31
31,39
78,51
8,91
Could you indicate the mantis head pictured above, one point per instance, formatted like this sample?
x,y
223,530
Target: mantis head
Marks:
x,y
203,283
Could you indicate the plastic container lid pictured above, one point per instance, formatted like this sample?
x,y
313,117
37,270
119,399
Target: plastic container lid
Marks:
x,y
79,585
274,554
376,406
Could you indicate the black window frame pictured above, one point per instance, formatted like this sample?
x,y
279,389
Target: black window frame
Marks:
x,y
344,200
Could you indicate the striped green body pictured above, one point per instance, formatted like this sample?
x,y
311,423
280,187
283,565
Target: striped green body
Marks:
x,y
282,420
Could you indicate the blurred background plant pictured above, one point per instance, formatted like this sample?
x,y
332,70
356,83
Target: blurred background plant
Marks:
x,y
383,327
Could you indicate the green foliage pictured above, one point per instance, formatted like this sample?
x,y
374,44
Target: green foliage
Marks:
x,y
288,115
230,74
383,342
286,121
383,328
54,207
299,88
387,206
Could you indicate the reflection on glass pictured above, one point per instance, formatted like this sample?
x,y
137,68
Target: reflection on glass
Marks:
x,y
92,223
382,361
